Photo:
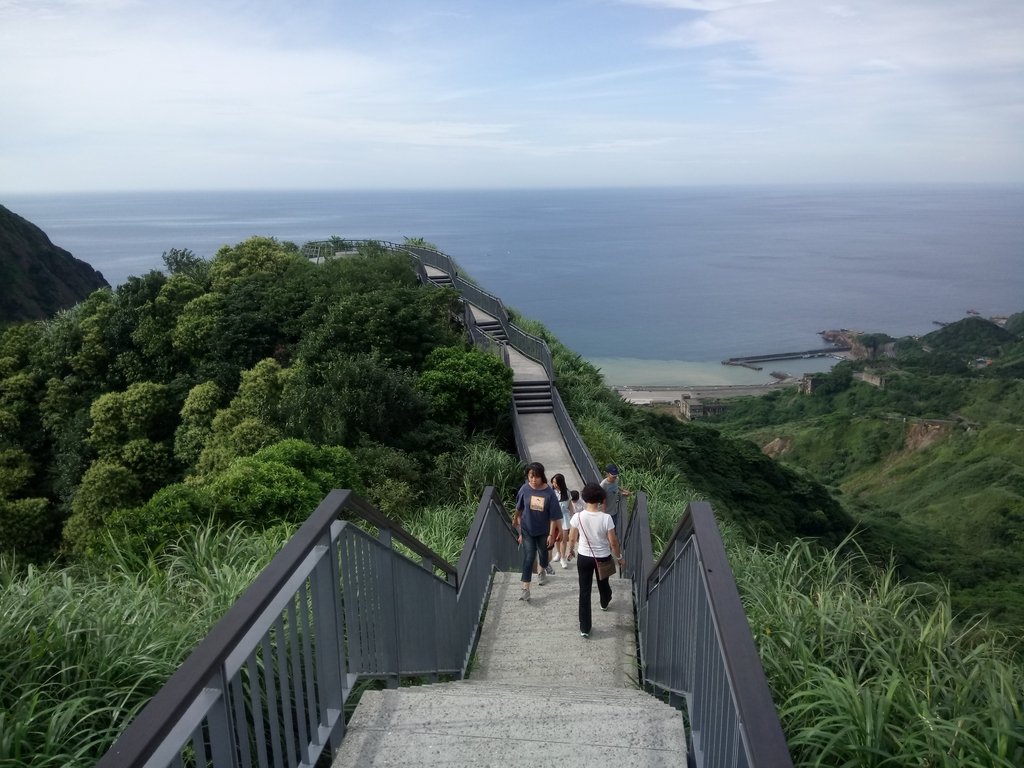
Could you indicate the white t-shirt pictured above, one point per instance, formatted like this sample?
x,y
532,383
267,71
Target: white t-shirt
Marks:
x,y
594,527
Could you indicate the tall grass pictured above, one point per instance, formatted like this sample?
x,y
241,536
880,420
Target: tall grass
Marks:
x,y
481,463
443,528
870,671
82,649
865,670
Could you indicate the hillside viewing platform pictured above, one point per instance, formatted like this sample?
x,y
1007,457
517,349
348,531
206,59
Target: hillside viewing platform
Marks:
x,y
464,673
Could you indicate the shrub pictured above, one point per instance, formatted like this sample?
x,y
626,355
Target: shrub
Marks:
x,y
163,519
329,466
262,492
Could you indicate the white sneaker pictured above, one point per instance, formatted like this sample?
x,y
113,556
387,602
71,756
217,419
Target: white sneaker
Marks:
x,y
565,564
540,578
555,558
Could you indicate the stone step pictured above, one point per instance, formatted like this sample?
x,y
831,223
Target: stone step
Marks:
x,y
556,696
534,409
485,725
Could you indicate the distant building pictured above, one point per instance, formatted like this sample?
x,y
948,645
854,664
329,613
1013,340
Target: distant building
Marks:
x,y
808,383
693,409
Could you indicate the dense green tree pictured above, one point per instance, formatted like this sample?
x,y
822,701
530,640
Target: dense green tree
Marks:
x,y
369,271
170,512
400,326
251,421
467,387
393,480
342,400
196,421
27,524
255,256
64,410
106,486
329,466
143,411
262,492
153,334
185,264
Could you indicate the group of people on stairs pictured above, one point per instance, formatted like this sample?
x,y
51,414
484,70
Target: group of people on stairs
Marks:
x,y
572,525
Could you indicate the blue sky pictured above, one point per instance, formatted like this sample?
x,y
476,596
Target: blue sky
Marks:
x,y
162,94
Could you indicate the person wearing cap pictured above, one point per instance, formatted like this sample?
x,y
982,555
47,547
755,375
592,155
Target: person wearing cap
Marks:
x,y
612,492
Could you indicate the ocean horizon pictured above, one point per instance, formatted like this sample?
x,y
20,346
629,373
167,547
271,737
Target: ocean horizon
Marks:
x,y
653,286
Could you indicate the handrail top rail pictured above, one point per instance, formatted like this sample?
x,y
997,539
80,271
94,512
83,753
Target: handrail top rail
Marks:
x,y
154,721
751,692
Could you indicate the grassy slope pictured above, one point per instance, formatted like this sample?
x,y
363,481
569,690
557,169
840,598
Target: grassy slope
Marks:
x,y
946,497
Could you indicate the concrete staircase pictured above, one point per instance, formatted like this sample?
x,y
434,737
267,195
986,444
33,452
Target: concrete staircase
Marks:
x,y
500,724
532,396
439,278
493,328
538,694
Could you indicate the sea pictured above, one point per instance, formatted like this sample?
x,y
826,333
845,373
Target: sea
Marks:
x,y
653,286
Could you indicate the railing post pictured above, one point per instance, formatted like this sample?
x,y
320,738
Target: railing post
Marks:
x,y
390,618
328,628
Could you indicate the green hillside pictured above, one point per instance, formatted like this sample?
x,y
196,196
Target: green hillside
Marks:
x,y
932,464
161,441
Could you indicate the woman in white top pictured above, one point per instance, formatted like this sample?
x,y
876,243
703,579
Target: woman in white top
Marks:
x,y
593,536
565,504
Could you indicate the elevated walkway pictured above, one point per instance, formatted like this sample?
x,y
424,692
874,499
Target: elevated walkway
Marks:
x,y
540,431
536,691
353,597
537,694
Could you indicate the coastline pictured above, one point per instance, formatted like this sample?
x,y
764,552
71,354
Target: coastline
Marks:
x,y
636,373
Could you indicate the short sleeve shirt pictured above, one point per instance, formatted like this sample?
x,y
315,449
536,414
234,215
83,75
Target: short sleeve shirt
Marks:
x,y
538,509
593,527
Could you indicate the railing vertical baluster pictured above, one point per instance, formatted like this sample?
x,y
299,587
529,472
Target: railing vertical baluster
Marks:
x,y
308,662
328,639
239,721
223,749
259,727
273,717
281,667
199,747
298,705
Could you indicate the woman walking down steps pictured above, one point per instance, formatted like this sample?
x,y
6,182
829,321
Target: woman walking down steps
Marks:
x,y
538,517
593,536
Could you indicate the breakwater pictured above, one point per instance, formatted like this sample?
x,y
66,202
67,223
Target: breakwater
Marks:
x,y
750,361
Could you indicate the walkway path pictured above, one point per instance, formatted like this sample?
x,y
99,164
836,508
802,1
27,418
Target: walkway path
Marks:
x,y
538,694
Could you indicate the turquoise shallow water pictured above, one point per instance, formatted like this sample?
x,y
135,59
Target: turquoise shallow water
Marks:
x,y
649,284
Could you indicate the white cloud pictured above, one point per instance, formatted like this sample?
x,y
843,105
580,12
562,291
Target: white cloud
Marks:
x,y
190,93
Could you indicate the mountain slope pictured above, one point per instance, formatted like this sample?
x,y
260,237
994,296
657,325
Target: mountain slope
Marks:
x,y
37,279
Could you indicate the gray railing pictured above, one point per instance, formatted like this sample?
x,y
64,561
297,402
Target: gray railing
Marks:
x,y
585,463
268,685
696,647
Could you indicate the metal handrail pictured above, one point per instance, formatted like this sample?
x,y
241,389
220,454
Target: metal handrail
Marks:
x,y
581,457
268,684
692,578
689,598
